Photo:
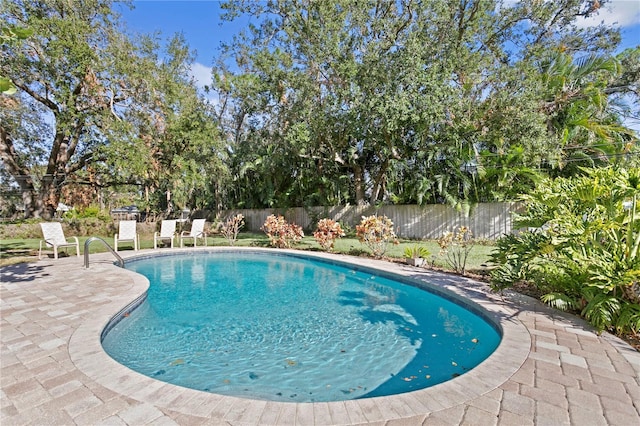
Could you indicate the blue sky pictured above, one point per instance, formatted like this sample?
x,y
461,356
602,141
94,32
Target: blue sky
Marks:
x,y
198,20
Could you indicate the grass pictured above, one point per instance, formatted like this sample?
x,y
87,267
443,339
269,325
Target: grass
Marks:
x,y
26,250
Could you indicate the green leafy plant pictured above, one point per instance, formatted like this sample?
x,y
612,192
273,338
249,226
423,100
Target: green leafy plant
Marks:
x,y
281,233
376,232
455,247
416,251
327,231
581,247
232,227
416,255
11,34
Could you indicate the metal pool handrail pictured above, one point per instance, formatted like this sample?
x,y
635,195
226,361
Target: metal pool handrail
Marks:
x,y
86,251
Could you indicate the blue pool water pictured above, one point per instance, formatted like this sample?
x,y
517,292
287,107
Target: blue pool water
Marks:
x,y
288,328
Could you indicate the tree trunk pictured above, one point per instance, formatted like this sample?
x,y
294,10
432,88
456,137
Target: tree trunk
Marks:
x,y
377,191
30,198
358,183
37,204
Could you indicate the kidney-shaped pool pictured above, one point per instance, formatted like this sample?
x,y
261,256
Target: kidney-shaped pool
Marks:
x,y
285,327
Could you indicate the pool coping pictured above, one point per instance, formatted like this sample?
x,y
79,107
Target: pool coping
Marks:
x,y
87,354
551,367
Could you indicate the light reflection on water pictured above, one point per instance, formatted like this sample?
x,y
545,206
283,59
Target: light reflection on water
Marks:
x,y
289,329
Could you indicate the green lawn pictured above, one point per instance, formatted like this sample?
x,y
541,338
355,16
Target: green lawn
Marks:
x,y
25,250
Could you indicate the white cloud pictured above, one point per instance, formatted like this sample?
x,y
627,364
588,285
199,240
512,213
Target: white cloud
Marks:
x,y
201,74
624,13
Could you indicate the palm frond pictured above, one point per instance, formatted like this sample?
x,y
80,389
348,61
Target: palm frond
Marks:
x,y
560,301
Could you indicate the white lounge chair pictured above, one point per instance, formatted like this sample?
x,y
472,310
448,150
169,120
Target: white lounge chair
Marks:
x,y
197,231
167,232
54,237
127,233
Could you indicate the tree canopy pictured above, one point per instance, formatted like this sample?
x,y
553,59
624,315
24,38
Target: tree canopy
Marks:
x,y
407,101
315,103
96,106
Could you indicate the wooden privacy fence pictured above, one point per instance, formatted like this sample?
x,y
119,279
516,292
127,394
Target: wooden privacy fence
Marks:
x,y
487,220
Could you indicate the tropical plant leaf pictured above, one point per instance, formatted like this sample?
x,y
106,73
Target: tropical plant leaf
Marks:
x,y
560,301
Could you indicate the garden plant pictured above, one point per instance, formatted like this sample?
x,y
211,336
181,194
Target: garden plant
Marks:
x,y
231,228
581,247
376,232
455,247
281,233
327,231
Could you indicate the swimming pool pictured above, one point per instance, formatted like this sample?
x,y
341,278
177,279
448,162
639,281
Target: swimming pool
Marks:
x,y
287,328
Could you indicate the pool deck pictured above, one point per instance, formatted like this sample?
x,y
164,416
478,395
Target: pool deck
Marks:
x,y
550,369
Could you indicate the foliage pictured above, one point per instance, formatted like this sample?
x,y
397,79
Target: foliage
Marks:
x,y
87,226
232,227
416,102
97,106
91,211
376,232
318,103
11,34
455,246
579,113
281,233
416,251
580,247
327,231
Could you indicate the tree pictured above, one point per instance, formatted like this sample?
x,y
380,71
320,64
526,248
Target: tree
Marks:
x,y
404,101
329,80
578,111
101,98
65,69
172,142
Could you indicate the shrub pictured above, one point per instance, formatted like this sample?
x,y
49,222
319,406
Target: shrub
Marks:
x,y
90,226
281,233
581,248
89,212
455,247
327,232
376,232
416,251
232,227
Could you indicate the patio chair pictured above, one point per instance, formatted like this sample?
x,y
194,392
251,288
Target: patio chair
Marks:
x,y
167,232
197,231
127,233
54,237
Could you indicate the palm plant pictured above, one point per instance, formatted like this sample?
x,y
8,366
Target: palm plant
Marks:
x,y
580,115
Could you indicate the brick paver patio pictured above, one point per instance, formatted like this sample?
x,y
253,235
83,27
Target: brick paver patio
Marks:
x,y
550,369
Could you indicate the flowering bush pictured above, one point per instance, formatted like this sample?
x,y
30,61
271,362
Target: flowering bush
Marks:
x,y
281,233
376,232
231,228
455,247
327,232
